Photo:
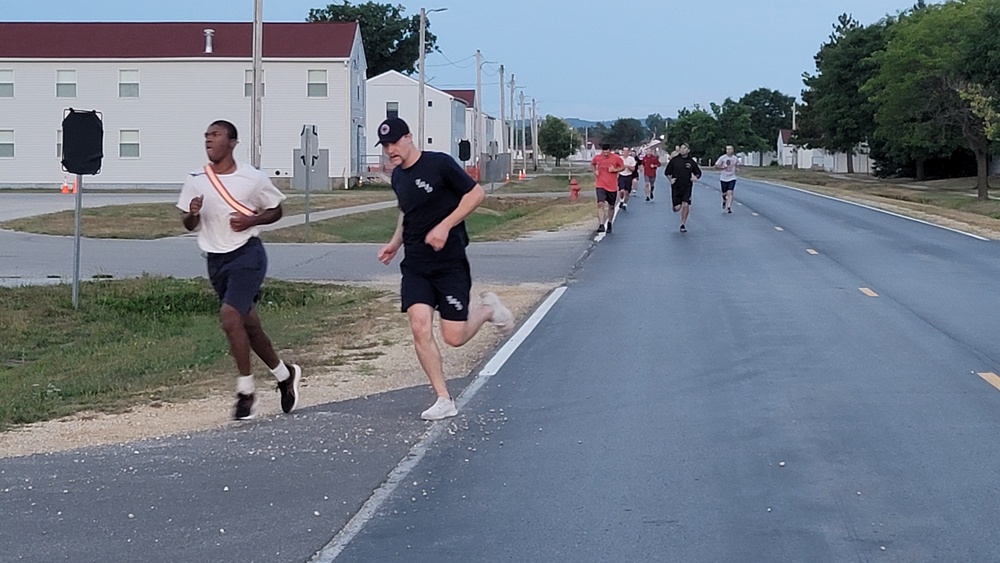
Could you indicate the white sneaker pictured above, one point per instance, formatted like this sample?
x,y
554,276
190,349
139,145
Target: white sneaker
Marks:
x,y
502,317
444,407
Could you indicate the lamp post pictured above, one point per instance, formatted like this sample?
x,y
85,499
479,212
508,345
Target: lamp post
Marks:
x,y
423,54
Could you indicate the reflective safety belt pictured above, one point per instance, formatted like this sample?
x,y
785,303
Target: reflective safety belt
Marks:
x,y
213,178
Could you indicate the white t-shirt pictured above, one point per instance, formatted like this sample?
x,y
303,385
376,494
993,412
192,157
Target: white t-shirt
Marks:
x,y
728,164
247,185
629,166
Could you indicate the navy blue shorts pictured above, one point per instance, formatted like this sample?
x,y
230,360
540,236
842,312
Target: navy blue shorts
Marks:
x,y
728,185
608,196
444,286
238,275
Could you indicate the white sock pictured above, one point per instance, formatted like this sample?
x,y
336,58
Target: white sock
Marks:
x,y
281,372
244,385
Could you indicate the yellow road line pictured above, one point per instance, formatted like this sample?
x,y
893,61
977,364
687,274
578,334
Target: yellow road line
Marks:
x,y
868,292
811,251
991,378
778,229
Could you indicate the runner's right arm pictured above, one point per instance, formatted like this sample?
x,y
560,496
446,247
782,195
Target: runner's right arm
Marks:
x,y
388,252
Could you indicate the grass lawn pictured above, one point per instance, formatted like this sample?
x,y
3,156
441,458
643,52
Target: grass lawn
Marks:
x,y
496,219
540,184
145,340
159,220
953,198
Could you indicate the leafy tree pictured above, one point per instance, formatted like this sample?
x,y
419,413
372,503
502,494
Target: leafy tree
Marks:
x,y
697,128
770,112
656,124
391,40
734,126
981,62
556,138
842,112
920,83
626,132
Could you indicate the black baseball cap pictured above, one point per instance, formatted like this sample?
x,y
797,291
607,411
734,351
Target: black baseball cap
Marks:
x,y
392,130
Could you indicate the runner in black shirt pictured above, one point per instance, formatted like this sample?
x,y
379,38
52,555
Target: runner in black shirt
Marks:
x,y
435,196
683,172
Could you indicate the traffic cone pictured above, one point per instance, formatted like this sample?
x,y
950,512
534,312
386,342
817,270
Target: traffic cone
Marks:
x,y
65,186
508,179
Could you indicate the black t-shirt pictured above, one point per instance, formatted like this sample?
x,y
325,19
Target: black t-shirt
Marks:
x,y
681,168
427,192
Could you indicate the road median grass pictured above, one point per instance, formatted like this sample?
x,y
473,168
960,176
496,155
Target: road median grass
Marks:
x,y
496,219
953,200
543,184
145,341
147,221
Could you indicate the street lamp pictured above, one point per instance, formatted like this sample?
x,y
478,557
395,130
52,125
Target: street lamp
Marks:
x,y
423,49
257,76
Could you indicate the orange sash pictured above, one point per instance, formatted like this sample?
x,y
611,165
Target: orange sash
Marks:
x,y
213,178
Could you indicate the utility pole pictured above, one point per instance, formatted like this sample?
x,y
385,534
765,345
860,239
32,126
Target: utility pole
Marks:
x,y
524,139
534,134
258,83
420,98
513,138
477,147
503,113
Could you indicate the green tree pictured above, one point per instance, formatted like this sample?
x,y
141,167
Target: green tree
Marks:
x,y
770,112
842,112
981,63
697,128
656,125
626,132
918,90
556,138
734,126
391,40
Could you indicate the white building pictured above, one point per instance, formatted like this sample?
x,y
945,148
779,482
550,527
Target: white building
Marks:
x,y
159,85
491,128
393,94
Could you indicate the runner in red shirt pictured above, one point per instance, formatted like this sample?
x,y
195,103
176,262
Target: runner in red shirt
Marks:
x,y
606,166
649,165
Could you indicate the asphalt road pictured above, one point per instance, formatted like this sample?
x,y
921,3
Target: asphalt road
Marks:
x,y
719,395
725,395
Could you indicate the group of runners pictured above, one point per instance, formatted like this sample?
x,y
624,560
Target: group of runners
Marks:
x,y
228,201
617,176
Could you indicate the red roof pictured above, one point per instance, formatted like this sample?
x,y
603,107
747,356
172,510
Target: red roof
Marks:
x,y
467,96
65,40
786,135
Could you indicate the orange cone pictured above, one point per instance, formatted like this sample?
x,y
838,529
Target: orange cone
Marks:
x,y
65,187
74,185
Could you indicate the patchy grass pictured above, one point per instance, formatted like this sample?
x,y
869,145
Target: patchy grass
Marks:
x,y
146,340
159,220
498,218
541,184
953,200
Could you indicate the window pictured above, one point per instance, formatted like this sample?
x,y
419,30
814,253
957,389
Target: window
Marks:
x,y
430,103
6,83
128,83
317,84
65,83
59,153
430,140
391,109
128,143
6,143
248,84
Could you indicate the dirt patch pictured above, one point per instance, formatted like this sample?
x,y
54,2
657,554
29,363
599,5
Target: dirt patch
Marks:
x,y
334,371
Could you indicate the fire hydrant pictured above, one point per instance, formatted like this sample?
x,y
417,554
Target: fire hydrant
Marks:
x,y
574,189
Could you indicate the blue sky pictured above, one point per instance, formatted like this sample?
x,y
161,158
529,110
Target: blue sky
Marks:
x,y
584,58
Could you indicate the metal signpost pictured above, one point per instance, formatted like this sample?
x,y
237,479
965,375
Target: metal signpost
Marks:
x,y
309,154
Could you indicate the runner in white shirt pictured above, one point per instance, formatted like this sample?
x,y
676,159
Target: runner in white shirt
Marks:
x,y
625,179
226,202
729,165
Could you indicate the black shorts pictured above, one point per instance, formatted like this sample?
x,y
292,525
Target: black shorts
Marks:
x,y
237,276
728,185
444,286
681,194
608,196
624,183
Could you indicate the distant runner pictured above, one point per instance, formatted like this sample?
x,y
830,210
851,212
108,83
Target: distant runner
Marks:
x,y
729,165
606,167
649,165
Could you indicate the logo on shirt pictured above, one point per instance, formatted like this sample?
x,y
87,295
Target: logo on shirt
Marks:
x,y
424,186
454,302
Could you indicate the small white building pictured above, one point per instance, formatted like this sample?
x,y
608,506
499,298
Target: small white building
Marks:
x,y
159,85
492,129
394,94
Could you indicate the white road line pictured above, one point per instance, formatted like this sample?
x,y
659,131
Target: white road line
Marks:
x,y
340,541
977,237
